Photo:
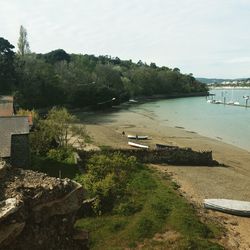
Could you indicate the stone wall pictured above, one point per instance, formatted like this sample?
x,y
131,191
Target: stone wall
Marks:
x,y
20,151
173,156
38,212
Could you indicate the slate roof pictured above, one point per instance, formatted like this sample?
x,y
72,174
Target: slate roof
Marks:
x,y
12,125
6,106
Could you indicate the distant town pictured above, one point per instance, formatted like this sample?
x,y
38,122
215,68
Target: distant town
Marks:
x,y
214,83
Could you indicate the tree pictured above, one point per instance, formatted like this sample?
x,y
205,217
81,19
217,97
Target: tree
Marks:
x,y
7,69
39,85
23,44
56,56
57,130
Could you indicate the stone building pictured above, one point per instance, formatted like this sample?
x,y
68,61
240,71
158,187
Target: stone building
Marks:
x,y
14,141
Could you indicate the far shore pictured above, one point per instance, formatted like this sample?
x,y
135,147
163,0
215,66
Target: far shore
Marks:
x,y
197,183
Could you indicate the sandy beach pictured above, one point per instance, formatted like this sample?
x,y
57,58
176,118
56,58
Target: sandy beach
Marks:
x,y
232,181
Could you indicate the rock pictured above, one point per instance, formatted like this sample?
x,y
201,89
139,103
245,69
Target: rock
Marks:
x,y
38,211
8,233
8,207
234,223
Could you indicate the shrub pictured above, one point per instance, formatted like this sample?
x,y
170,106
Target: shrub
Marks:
x,y
107,178
64,155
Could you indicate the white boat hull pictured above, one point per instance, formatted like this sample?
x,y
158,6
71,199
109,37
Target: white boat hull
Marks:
x,y
138,137
136,145
235,207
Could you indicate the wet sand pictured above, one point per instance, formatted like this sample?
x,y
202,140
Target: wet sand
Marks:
x,y
197,183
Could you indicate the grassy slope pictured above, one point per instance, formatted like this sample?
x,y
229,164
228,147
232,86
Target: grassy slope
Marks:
x,y
152,206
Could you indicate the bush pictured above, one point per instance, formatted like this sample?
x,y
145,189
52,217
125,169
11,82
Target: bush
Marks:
x,y
107,178
64,155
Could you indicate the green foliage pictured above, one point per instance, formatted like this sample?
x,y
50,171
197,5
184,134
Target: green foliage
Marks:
x,y
59,78
57,56
63,155
149,205
128,208
23,44
52,167
106,178
7,67
39,86
57,131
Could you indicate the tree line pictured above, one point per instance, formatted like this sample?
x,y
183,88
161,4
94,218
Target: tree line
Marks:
x,y
77,81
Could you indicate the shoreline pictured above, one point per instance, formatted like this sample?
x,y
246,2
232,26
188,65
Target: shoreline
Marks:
x,y
197,183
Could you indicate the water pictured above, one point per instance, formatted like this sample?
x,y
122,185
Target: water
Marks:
x,y
228,123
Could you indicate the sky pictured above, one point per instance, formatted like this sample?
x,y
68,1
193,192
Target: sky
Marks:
x,y
209,38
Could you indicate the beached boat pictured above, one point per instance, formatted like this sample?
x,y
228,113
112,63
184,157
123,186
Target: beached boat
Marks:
x,y
138,137
137,145
235,207
132,101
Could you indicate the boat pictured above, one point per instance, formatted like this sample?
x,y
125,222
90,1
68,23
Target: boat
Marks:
x,y
230,102
236,103
210,101
217,102
138,137
132,101
241,208
137,145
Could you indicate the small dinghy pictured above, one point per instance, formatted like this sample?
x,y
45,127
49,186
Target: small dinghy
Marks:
x,y
138,137
235,207
137,145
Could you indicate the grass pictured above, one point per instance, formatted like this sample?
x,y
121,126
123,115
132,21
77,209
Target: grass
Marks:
x,y
152,205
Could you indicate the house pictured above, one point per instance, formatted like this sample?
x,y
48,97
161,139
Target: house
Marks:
x,y
14,141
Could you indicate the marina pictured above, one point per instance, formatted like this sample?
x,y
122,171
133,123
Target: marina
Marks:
x,y
228,123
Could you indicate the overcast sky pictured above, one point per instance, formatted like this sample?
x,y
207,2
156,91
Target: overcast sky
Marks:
x,y
209,38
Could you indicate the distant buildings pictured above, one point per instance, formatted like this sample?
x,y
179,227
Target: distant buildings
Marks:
x,y
14,131
232,83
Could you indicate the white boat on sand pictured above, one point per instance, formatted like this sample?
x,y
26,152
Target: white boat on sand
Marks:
x,y
235,207
137,145
138,137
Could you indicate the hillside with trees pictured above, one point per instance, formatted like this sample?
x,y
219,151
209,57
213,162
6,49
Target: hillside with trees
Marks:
x,y
78,81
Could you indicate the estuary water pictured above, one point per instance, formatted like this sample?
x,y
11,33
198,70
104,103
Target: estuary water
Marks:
x,y
231,124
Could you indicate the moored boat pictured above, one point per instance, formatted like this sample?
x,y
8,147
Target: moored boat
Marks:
x,y
217,102
235,207
137,145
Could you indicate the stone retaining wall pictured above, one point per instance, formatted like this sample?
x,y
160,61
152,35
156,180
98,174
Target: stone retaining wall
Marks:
x,y
173,156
